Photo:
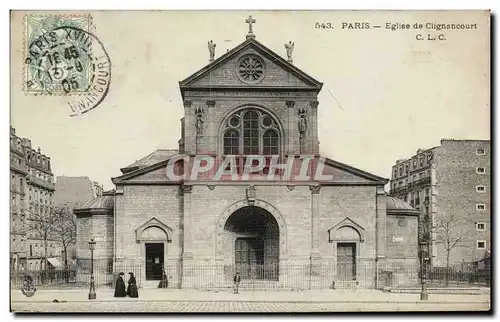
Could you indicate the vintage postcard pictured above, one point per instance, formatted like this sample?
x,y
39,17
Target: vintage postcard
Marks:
x,y
250,161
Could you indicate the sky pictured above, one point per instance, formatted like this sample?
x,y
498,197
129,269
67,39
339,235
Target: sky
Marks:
x,y
385,94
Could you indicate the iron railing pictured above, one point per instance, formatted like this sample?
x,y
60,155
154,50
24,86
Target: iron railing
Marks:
x,y
285,276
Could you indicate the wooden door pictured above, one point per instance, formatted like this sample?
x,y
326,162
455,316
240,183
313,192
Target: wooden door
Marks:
x,y
346,261
249,257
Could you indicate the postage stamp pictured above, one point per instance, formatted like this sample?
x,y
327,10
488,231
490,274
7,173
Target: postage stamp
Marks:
x,y
55,64
64,57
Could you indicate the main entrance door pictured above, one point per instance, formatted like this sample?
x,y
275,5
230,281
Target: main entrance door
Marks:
x,y
154,260
346,261
249,257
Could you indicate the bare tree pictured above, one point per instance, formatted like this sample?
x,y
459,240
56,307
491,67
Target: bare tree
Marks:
x,y
41,225
450,232
65,229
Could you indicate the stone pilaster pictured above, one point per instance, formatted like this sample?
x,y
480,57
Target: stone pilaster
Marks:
x,y
188,222
190,129
381,222
313,120
210,134
290,131
315,224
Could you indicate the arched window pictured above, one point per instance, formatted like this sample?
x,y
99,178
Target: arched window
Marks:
x,y
251,131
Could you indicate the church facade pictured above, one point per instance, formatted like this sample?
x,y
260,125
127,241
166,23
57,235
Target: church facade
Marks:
x,y
309,233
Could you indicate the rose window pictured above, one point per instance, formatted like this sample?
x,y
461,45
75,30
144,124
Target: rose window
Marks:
x,y
251,69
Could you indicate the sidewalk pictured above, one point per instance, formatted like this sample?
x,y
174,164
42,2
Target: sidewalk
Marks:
x,y
177,295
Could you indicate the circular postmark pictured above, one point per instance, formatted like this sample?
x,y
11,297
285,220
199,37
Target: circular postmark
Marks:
x,y
72,62
28,288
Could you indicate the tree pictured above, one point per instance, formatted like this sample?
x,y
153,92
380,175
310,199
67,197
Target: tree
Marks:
x,y
450,232
49,223
65,229
41,225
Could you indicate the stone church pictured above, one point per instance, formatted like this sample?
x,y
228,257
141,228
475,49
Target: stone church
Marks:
x,y
317,233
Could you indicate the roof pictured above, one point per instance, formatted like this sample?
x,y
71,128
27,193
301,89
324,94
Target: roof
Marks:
x,y
396,205
102,204
250,42
150,159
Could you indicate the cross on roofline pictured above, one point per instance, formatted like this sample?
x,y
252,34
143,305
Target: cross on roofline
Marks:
x,y
250,21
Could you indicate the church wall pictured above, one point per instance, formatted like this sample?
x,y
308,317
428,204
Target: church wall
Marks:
x,y
402,250
358,203
136,206
209,205
337,203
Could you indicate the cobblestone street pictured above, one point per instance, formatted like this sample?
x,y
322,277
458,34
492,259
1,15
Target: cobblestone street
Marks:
x,y
174,306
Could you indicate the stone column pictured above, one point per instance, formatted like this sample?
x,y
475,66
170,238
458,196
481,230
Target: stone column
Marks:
x,y
313,120
210,133
290,130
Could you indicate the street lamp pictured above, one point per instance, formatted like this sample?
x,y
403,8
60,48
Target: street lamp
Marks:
x,y
92,294
424,250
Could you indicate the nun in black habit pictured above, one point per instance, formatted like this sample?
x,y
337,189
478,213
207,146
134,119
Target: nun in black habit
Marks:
x,y
132,286
120,286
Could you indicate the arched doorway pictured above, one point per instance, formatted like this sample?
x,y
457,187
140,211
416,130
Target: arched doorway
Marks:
x,y
251,243
154,236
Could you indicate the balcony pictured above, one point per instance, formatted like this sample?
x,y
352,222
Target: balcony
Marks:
x,y
422,182
19,167
399,190
32,180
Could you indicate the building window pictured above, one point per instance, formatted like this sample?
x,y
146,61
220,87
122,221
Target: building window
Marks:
x,y
480,170
421,161
414,163
251,131
480,206
395,173
480,226
400,171
406,169
427,192
480,188
480,151
481,244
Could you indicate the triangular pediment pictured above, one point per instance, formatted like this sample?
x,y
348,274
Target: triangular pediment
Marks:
x,y
349,224
277,72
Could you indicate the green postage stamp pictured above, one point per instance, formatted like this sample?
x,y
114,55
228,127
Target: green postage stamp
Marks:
x,y
58,54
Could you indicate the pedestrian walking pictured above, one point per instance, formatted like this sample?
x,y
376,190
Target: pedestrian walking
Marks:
x,y
236,280
120,286
132,286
